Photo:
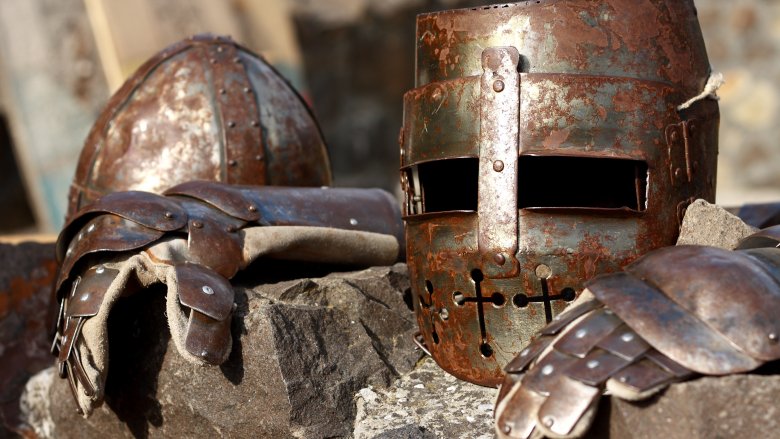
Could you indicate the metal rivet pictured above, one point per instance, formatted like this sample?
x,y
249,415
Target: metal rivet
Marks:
x,y
608,312
548,369
444,314
230,229
525,352
592,364
499,258
100,270
353,221
231,124
219,48
252,208
258,157
543,271
213,61
207,290
507,429
255,123
627,337
498,86
85,297
581,333
236,60
623,379
232,163
222,91
204,353
772,337
498,166
247,90
548,421
197,224
168,215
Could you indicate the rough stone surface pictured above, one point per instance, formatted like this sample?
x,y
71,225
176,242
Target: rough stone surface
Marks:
x,y
426,403
302,350
708,224
737,406
27,272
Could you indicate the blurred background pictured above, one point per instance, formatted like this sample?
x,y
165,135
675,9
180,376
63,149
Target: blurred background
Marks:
x,y
60,60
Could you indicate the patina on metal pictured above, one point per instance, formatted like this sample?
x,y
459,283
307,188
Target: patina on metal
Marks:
x,y
673,314
541,146
204,108
201,229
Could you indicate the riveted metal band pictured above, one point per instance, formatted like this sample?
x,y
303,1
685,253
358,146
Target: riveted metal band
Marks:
x,y
498,148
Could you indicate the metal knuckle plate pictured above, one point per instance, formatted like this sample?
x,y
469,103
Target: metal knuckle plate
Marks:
x,y
227,198
669,328
207,338
204,291
86,298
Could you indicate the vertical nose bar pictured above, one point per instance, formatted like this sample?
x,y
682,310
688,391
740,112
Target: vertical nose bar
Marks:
x,y
498,152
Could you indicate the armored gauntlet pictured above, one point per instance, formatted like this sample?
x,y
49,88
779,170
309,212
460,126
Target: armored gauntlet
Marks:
x,y
676,312
193,239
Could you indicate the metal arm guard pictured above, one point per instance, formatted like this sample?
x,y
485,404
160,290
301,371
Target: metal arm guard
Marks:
x,y
677,312
193,239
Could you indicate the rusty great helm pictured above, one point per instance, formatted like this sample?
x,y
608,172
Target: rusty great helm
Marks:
x,y
544,143
205,108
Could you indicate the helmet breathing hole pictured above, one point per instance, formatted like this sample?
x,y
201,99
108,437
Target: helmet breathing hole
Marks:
x,y
428,286
435,337
568,294
477,275
520,300
486,350
498,299
458,298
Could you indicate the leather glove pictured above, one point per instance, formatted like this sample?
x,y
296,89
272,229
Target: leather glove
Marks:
x,y
193,239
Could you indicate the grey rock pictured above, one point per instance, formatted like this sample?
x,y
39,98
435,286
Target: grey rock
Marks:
x,y
430,400
708,224
302,349
736,406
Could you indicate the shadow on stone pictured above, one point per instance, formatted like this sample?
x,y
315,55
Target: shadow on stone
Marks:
x,y
233,368
136,352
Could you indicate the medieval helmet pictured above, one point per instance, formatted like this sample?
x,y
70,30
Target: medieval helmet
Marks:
x,y
204,108
545,143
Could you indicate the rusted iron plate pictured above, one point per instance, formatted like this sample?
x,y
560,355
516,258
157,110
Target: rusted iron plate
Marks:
x,y
149,210
86,298
596,367
643,376
769,237
624,343
568,401
226,198
207,338
514,420
212,104
211,245
204,290
656,40
541,377
583,337
498,150
668,327
704,280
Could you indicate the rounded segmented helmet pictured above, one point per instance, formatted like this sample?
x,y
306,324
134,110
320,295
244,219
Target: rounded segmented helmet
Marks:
x,y
545,142
205,108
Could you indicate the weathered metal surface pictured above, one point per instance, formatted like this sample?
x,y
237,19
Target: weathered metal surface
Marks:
x,y
594,112
212,104
214,252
